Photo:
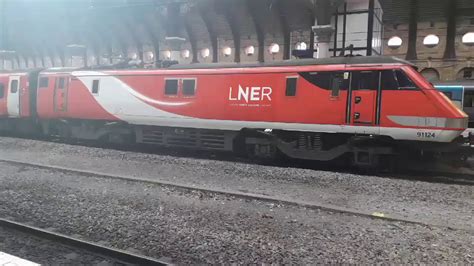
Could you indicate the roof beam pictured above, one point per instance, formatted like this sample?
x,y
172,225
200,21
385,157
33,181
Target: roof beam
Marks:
x,y
450,51
234,24
285,28
206,17
192,39
255,15
412,31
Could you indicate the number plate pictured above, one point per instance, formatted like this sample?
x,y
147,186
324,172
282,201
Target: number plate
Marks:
x,y
426,135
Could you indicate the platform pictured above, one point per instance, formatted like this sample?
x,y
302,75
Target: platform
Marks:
x,y
10,260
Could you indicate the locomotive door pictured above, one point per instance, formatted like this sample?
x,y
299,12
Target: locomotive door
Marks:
x,y
60,94
13,97
364,92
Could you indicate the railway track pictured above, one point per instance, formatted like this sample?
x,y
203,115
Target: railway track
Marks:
x,y
240,195
420,171
120,257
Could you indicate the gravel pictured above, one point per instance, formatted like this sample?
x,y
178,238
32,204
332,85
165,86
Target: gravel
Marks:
x,y
196,228
427,202
46,252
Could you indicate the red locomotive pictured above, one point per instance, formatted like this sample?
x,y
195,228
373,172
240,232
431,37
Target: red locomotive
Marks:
x,y
319,109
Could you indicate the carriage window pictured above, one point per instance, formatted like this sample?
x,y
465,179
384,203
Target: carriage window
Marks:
x,y
340,81
389,82
448,94
2,90
469,99
189,87
365,80
95,86
171,87
14,86
404,82
61,83
291,86
43,83
320,79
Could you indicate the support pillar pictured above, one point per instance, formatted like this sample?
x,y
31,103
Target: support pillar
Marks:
x,y
412,31
323,34
450,52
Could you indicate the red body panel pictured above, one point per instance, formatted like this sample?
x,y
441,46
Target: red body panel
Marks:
x,y
247,95
73,101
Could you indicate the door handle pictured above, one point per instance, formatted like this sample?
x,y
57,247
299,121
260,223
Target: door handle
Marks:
x,y
356,116
358,99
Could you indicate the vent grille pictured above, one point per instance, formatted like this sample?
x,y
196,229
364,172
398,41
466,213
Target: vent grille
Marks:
x,y
183,137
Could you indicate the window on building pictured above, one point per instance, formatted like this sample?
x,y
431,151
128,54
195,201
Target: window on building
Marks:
x,y
469,98
431,40
171,87
2,90
468,74
14,86
395,42
43,82
468,38
95,86
189,87
291,83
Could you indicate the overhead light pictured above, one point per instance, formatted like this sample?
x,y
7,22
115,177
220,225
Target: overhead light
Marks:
x,y
174,42
7,52
75,46
174,39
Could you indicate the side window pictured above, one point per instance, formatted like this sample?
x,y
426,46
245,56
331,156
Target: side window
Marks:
x,y
43,82
334,81
469,99
404,82
320,79
365,80
189,87
14,86
61,83
2,90
171,87
340,81
389,81
448,94
95,86
291,83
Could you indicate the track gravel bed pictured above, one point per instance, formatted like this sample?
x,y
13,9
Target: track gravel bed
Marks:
x,y
415,200
193,228
46,252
